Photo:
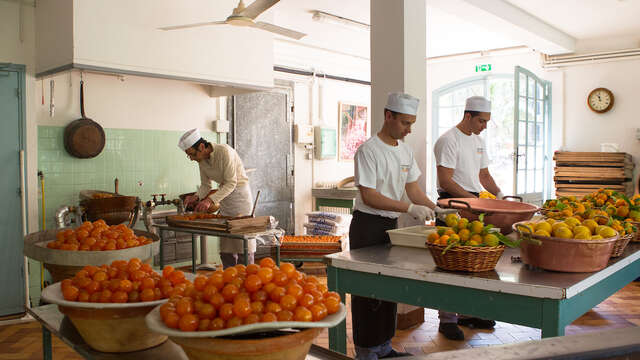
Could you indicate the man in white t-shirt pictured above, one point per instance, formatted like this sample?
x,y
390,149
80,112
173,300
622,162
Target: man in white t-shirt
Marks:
x,y
462,168
384,170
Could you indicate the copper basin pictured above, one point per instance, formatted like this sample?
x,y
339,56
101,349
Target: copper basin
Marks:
x,y
113,210
567,255
500,213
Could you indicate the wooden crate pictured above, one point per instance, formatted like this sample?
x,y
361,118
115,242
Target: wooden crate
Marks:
x,y
581,173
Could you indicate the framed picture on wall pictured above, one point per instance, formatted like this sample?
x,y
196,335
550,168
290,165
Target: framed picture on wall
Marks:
x,y
353,121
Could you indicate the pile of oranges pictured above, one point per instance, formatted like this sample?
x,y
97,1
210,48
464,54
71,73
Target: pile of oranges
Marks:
x,y
310,239
97,236
197,216
242,295
123,282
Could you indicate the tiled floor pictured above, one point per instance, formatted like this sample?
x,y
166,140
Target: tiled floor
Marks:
x,y
24,340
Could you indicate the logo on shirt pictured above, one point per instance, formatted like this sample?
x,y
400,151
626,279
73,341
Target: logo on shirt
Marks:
x,y
404,168
480,150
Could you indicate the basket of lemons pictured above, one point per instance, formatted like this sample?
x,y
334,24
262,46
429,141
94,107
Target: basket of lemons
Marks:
x,y
465,245
570,245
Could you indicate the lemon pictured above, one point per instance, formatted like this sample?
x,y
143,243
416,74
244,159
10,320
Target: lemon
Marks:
x,y
451,220
572,222
543,225
607,232
477,226
491,240
477,238
463,223
542,232
596,237
591,224
581,229
454,237
473,243
464,234
582,236
557,225
550,221
563,232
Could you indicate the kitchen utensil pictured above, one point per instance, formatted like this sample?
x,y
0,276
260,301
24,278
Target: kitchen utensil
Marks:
x,y
253,211
84,138
500,213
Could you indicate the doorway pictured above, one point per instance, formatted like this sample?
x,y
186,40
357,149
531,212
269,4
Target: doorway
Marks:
x,y
12,105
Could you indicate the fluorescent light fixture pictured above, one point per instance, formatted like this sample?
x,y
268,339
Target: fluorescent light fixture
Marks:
x,y
322,16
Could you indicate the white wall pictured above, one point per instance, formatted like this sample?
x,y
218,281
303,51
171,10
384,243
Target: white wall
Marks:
x,y
584,129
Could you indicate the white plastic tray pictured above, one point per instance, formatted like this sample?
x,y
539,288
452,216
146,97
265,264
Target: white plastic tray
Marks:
x,y
154,323
412,236
53,294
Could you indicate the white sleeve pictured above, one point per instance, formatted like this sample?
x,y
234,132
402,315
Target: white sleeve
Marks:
x,y
414,172
446,152
364,168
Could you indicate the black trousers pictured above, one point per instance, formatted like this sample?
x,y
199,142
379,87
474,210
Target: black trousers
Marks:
x,y
374,321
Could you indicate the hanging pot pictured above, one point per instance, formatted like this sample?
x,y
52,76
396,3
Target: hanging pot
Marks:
x,y
84,138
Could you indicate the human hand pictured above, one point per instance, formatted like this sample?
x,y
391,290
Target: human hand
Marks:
x,y
190,200
499,195
421,212
204,205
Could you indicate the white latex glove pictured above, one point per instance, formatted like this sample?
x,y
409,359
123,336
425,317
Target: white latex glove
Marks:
x,y
421,212
499,195
442,213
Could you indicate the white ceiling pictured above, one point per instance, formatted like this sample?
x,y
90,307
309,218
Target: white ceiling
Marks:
x,y
446,33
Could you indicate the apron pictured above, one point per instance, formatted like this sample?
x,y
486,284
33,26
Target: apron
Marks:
x,y
238,203
374,321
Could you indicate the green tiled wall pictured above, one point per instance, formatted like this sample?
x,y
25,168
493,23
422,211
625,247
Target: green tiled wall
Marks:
x,y
144,161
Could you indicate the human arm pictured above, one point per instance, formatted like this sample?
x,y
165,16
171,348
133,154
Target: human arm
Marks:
x,y
445,179
488,183
417,196
376,200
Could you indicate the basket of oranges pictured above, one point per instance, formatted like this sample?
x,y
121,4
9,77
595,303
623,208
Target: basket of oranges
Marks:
x,y
466,246
213,318
107,304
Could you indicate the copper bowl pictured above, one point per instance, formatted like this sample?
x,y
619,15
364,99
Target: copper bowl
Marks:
x,y
500,213
567,255
114,209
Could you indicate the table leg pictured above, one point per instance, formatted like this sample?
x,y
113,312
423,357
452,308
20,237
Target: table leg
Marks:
x,y
161,249
193,253
46,344
551,323
203,250
245,251
277,254
337,334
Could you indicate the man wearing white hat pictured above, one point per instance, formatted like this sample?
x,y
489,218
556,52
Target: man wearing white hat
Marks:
x,y
462,168
220,163
384,169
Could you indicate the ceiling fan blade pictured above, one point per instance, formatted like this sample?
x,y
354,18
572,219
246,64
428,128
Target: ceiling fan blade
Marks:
x,y
257,8
186,26
279,30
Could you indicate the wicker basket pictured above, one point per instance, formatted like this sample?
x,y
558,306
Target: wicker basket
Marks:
x,y
466,258
621,243
636,238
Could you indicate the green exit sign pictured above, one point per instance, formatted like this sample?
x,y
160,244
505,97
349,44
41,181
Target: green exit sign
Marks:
x,y
483,67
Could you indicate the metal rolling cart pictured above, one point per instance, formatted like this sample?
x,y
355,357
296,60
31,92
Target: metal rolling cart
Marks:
x,y
196,232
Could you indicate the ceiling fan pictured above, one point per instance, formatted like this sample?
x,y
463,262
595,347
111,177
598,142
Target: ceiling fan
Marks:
x,y
245,16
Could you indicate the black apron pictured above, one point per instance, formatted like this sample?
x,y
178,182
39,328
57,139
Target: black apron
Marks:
x,y
374,321
446,195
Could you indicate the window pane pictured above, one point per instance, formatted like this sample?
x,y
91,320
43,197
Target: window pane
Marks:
x,y
531,113
531,135
532,88
539,134
522,133
521,182
523,85
522,109
539,158
446,99
538,187
531,157
531,178
522,153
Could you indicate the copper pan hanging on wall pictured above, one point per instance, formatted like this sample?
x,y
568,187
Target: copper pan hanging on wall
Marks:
x,y
84,138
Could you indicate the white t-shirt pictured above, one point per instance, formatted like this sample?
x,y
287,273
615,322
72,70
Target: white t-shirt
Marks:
x,y
466,154
385,168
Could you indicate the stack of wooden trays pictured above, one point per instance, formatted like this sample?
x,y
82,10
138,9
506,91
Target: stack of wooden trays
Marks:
x,y
581,173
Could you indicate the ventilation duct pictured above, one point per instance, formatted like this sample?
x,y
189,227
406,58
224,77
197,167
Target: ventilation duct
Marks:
x,y
559,61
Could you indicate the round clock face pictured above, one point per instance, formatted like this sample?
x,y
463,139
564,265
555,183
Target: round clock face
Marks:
x,y
600,100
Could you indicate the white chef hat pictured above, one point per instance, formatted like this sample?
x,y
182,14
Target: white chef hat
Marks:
x,y
403,103
188,139
478,103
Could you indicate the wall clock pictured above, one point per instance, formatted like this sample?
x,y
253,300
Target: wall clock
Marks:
x,y
600,100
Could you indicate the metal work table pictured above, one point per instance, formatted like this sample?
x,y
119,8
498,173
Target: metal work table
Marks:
x,y
53,321
512,293
194,232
